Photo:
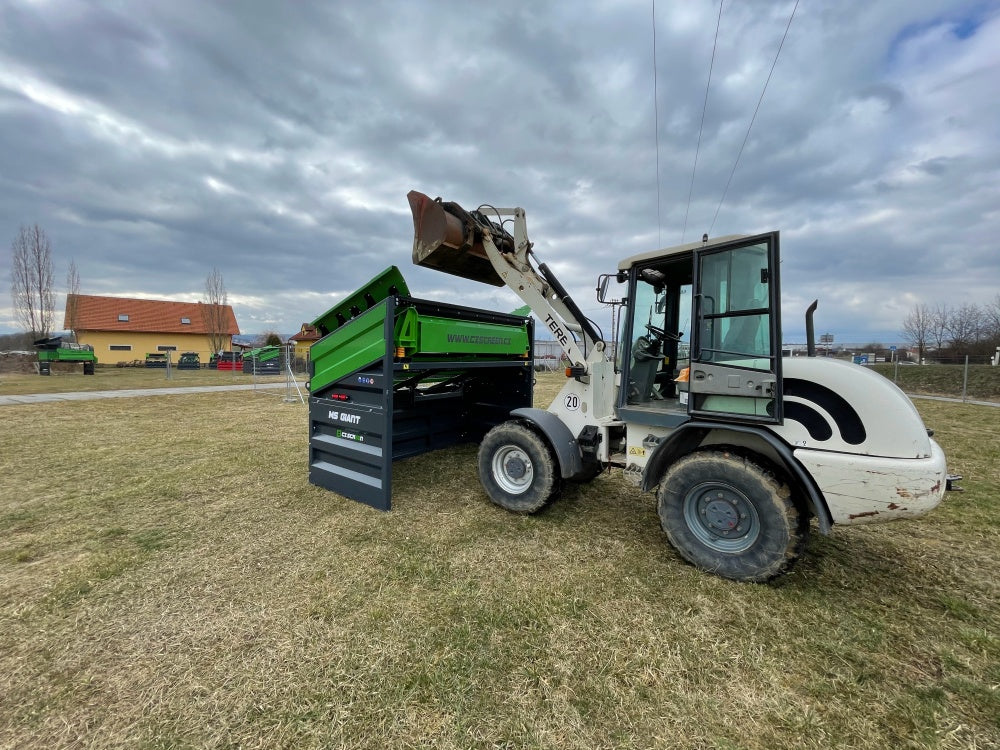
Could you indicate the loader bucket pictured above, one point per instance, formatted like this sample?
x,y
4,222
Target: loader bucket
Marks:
x,y
446,238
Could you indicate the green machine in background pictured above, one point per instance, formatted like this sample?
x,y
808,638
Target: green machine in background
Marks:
x,y
395,376
189,361
54,350
264,360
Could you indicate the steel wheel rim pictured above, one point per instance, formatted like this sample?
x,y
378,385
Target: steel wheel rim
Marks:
x,y
513,470
721,517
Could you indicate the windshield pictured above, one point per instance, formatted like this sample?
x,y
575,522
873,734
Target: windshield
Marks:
x,y
659,332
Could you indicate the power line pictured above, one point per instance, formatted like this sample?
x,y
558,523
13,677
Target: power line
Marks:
x,y
701,128
752,119
656,136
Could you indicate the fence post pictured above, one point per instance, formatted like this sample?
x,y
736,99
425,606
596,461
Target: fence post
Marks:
x,y
965,379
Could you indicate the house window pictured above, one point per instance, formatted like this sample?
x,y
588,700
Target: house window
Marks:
x,y
185,321
163,348
120,347
122,318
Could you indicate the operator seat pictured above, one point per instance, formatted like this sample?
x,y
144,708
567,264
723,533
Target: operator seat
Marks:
x,y
646,358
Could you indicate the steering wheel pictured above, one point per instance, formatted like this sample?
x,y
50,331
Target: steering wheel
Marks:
x,y
661,334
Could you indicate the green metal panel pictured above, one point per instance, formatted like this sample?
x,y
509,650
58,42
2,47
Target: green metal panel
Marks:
x,y
350,348
52,349
407,330
436,336
388,283
262,353
357,332
66,355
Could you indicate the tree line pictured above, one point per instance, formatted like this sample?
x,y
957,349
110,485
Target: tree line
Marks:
x,y
32,292
954,331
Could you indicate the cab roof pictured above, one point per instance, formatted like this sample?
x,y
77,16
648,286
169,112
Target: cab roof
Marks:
x,y
643,258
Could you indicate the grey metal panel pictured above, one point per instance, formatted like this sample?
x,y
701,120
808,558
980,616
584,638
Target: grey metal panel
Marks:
x,y
350,443
347,451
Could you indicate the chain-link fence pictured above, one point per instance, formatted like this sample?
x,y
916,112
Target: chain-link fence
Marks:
x,y
969,378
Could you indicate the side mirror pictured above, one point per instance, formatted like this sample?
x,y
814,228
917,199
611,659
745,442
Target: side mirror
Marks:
x,y
603,281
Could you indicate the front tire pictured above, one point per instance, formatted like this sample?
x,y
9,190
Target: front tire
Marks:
x,y
517,468
729,515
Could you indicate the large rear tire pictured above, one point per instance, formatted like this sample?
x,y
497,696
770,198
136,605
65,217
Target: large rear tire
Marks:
x,y
517,468
731,515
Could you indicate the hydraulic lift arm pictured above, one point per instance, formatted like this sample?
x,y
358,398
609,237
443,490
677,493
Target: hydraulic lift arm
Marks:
x,y
471,245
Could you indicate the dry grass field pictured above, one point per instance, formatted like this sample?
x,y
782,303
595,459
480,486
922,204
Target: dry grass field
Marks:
x,y
122,378
168,578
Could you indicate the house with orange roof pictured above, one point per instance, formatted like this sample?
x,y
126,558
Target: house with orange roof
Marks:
x,y
305,338
125,329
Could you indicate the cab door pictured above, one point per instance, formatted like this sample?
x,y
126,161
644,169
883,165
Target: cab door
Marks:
x,y
736,333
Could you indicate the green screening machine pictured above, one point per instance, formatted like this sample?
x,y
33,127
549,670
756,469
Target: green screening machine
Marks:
x,y
394,376
264,360
54,349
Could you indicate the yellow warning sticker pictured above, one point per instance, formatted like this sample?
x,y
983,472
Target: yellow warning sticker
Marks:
x,y
637,450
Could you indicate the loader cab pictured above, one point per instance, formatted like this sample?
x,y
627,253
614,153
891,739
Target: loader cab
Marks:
x,y
700,334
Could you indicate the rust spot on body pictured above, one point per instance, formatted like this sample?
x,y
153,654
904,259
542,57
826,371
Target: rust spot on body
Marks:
x,y
863,515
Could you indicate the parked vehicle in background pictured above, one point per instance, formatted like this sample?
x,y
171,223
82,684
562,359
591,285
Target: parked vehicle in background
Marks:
x,y
232,361
189,361
54,349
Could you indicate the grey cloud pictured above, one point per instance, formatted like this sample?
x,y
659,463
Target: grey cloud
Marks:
x,y
277,141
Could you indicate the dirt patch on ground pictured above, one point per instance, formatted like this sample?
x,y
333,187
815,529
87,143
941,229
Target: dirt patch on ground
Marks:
x,y
26,363
18,362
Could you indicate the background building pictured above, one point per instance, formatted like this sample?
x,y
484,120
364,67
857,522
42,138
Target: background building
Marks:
x,y
306,337
124,329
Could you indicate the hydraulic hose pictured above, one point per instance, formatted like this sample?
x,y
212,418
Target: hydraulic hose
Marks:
x,y
564,297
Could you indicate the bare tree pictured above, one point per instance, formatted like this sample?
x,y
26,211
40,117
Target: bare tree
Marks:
x,y
72,295
939,325
965,328
31,280
991,322
216,319
917,327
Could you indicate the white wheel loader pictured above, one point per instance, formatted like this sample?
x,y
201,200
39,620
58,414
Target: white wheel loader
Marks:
x,y
741,446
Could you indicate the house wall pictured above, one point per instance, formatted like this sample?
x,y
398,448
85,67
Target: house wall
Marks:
x,y
302,349
144,343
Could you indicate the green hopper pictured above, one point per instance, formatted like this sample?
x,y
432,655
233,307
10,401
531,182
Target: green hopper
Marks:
x,y
396,376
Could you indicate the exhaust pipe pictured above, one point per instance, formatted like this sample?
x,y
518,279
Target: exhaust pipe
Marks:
x,y
810,335
448,238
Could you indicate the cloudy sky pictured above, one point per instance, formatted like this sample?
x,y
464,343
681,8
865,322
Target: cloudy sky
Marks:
x,y
276,141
